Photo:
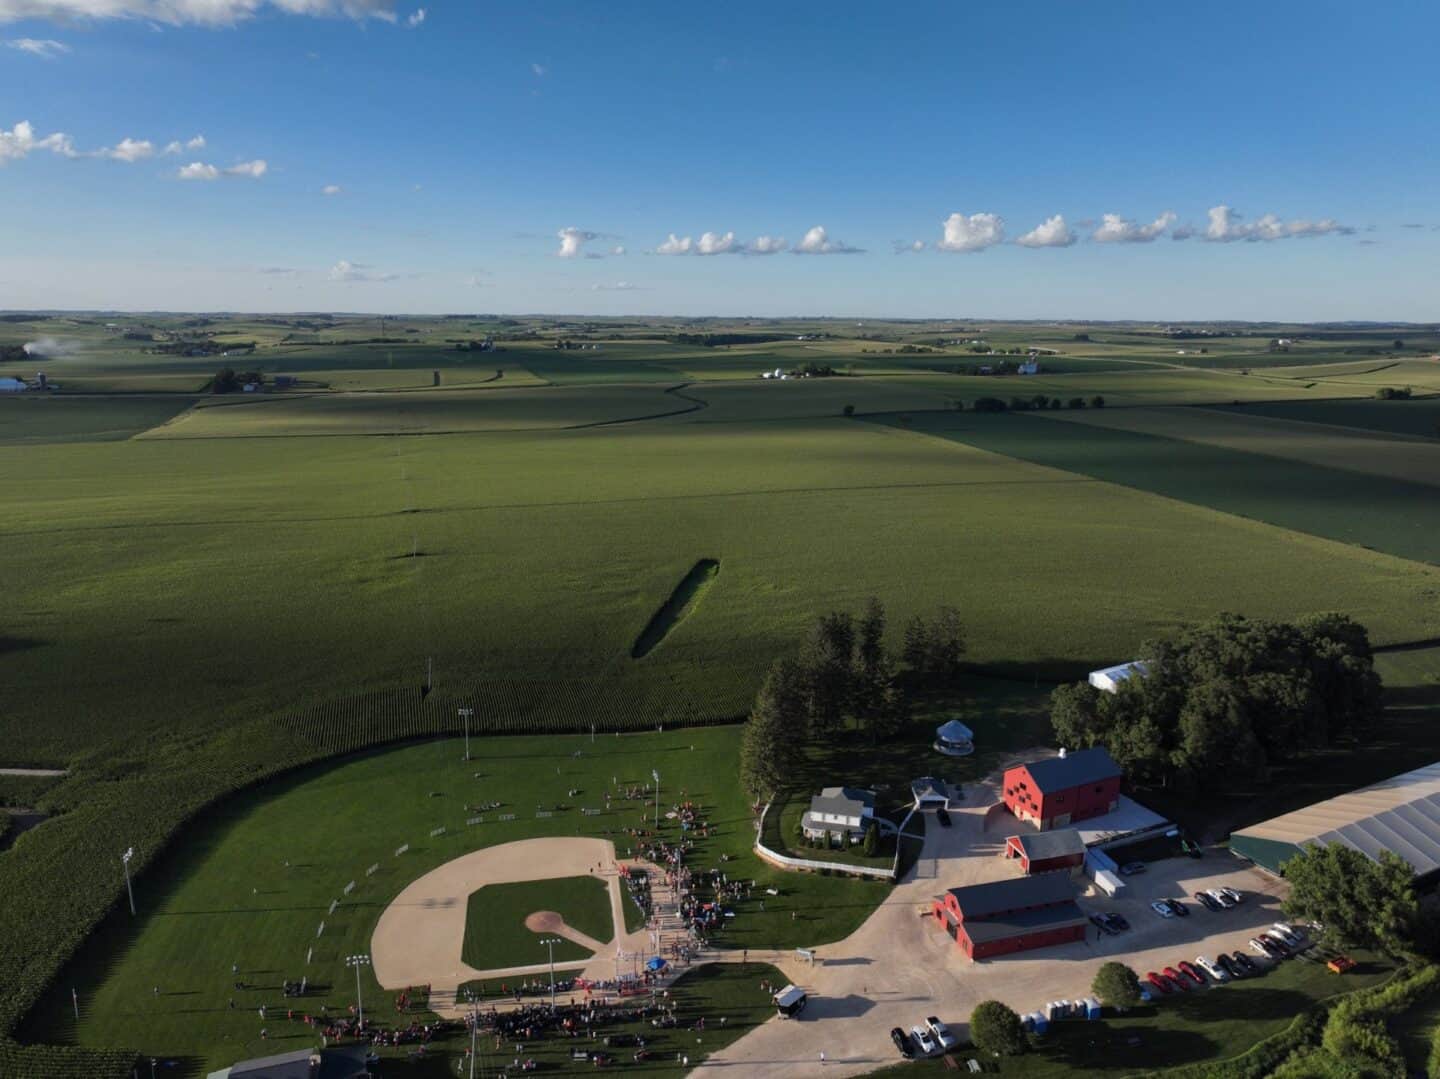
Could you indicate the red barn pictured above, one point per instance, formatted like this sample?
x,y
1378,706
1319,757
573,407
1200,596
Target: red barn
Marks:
x,y
1063,790
1045,852
1011,915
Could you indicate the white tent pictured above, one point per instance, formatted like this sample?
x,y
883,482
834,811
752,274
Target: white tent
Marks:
x,y
954,739
1109,679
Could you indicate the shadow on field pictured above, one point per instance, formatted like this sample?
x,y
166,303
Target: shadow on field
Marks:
x,y
19,644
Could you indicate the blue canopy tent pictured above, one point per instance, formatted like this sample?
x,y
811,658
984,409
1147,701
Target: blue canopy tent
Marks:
x,y
656,964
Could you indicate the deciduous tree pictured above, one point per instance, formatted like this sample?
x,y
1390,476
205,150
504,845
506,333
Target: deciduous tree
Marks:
x,y
995,1028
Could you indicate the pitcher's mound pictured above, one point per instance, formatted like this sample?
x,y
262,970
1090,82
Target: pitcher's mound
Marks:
x,y
544,921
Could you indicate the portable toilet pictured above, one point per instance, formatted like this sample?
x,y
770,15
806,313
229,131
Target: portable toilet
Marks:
x,y
1027,1021
1041,1023
1092,1008
1055,1010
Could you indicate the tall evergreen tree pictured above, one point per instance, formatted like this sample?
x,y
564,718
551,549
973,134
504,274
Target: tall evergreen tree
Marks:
x,y
826,661
771,742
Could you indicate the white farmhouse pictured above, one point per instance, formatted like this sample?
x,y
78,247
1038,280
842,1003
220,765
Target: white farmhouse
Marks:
x,y
839,813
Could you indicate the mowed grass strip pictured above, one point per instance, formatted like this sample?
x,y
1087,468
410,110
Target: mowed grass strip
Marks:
x,y
495,933
1391,456
1374,512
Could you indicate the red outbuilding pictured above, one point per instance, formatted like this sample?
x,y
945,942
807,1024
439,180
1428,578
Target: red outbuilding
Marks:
x,y
1046,852
1063,790
1011,915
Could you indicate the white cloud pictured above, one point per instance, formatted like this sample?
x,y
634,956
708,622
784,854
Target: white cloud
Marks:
x,y
712,243
617,250
278,271
973,233
416,17
45,48
351,272
1115,229
19,141
912,247
676,245
1226,226
197,170
572,243
212,13
766,245
1052,232
175,146
618,286
197,143
817,242
252,169
130,150
331,189
539,70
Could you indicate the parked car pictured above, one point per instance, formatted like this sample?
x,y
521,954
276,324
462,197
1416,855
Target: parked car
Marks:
x,y
1130,869
942,1033
1162,908
1179,907
1160,982
1098,920
1263,945
943,817
1191,971
1247,965
902,1042
1221,896
1289,934
1208,901
924,1040
1176,977
1239,897
1280,941
1225,963
1211,968
1116,922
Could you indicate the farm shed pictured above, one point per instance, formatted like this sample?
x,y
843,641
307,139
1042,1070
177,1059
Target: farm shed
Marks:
x,y
1060,791
954,739
932,793
1400,814
1046,852
1013,915
1108,680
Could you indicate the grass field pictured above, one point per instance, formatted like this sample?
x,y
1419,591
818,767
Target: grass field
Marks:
x,y
1374,512
253,879
495,933
1418,417
36,420
1188,1029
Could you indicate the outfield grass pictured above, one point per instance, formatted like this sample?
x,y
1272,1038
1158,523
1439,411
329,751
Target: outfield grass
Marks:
x,y
495,933
250,882
1374,512
1187,1029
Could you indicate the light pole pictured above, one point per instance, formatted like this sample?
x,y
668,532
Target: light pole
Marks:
x,y
125,861
655,773
550,943
465,714
358,961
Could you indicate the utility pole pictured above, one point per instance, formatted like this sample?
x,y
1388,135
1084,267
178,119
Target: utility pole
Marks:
x,y
550,942
75,1000
358,961
465,714
655,772
130,891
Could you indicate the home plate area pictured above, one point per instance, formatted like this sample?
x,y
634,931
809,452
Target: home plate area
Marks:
x,y
503,911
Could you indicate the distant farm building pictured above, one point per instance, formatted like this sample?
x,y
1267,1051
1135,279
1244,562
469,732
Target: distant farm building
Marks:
x,y
840,814
1047,852
954,739
1400,814
1013,915
1063,790
1109,679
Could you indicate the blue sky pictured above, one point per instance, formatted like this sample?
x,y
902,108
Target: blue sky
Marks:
x,y
459,145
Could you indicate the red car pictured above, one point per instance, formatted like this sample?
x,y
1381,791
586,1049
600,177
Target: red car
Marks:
x,y
1160,982
1178,978
1189,970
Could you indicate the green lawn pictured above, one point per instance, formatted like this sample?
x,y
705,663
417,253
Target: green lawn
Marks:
x,y
1188,1029
495,933
251,881
1374,512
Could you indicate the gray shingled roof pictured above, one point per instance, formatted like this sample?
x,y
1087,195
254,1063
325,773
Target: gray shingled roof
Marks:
x,y
1400,814
1073,770
847,801
1039,846
1026,921
983,900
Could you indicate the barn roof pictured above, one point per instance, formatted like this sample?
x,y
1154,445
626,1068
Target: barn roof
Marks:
x,y
1073,769
1026,921
1399,814
1038,846
1012,893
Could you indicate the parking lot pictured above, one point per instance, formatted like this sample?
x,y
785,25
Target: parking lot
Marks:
x,y
900,966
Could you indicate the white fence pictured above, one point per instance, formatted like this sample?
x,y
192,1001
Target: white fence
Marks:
x,y
784,861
